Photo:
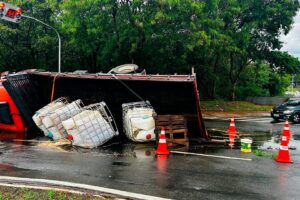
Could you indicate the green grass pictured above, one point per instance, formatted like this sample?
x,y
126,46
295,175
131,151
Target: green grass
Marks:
x,y
263,153
221,105
29,195
50,194
62,196
293,89
7,193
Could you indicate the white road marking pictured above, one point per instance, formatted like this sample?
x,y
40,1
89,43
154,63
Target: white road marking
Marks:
x,y
210,117
280,123
255,119
247,119
82,186
218,118
213,156
264,121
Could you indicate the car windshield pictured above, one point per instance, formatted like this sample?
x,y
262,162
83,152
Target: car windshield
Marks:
x,y
292,103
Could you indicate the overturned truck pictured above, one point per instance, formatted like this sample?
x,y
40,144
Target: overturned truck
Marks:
x,y
25,92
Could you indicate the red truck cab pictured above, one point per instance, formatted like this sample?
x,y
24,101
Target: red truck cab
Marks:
x,y
12,125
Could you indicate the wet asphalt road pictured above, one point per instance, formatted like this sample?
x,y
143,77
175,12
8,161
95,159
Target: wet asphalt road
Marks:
x,y
134,168
251,124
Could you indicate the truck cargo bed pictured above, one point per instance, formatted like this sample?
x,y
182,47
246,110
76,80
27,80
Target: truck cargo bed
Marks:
x,y
168,94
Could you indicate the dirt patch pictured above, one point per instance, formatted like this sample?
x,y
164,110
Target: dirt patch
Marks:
x,y
41,142
55,144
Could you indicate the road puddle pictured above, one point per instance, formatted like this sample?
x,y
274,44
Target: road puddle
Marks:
x,y
261,140
117,163
296,137
119,148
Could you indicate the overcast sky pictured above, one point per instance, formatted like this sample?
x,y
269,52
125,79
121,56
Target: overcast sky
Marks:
x,y
292,40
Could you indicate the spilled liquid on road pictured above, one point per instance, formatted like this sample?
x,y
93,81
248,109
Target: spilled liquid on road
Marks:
x,y
119,148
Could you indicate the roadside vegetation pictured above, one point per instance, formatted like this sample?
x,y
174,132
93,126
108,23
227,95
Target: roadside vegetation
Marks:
x,y
293,89
12,193
234,46
237,106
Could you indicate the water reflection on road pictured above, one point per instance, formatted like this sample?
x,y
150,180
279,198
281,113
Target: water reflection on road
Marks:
x,y
134,167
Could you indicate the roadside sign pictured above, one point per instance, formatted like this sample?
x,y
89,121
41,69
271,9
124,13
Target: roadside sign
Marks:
x,y
10,13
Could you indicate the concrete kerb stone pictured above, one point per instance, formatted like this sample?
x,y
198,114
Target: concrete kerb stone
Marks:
x,y
236,114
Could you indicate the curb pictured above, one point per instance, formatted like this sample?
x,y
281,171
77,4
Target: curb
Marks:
x,y
53,184
235,114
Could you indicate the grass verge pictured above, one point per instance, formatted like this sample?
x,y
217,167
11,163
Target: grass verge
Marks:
x,y
221,105
7,193
293,89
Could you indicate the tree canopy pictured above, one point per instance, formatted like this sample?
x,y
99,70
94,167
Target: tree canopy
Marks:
x,y
224,40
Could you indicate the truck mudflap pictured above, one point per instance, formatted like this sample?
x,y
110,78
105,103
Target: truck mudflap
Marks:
x,y
168,94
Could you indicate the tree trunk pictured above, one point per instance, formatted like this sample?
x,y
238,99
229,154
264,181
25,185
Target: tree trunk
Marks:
x,y
213,89
214,78
232,91
235,72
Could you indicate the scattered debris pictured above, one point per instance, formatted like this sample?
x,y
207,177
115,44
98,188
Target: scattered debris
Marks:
x,y
263,153
55,144
246,145
175,127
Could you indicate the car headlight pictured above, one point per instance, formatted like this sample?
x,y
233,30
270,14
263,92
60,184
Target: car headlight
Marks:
x,y
287,112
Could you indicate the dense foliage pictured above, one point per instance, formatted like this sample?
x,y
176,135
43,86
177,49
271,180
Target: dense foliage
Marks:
x,y
232,44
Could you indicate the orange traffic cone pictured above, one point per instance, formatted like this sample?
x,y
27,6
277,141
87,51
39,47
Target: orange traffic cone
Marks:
x,y
284,154
231,132
162,144
286,129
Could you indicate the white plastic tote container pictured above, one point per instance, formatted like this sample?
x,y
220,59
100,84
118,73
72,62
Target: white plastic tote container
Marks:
x,y
53,120
51,107
92,127
138,121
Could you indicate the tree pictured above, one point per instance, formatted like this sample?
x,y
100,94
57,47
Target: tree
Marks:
x,y
255,81
27,44
255,27
223,39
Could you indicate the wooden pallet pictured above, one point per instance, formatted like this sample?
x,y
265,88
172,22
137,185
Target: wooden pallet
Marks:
x,y
175,128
